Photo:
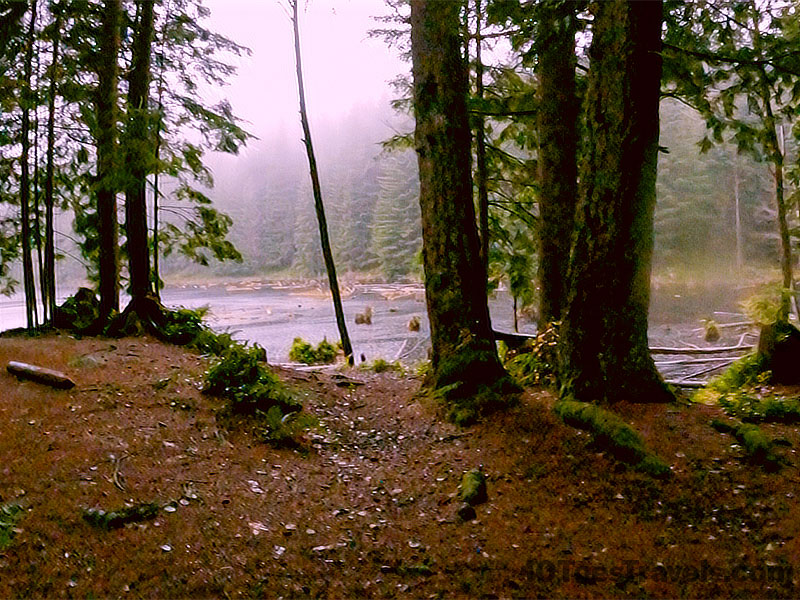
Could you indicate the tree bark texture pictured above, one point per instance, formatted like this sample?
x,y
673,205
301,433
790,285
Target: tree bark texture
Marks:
x,y
557,122
463,349
481,175
106,138
49,238
604,346
138,154
25,185
327,254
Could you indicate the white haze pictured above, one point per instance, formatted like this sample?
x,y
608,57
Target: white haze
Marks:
x,y
343,68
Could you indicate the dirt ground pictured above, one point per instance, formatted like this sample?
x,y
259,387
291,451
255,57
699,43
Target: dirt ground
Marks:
x,y
371,509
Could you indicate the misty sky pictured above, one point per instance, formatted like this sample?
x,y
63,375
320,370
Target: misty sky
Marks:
x,y
342,67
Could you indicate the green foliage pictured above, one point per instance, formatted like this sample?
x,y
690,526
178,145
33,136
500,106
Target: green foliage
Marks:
x,y
210,342
754,441
241,376
748,406
303,352
472,489
10,514
763,307
610,433
396,233
537,361
184,324
741,376
379,365
284,430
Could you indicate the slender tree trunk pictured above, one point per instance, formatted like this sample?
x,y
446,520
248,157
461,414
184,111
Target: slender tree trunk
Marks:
x,y
37,214
603,347
25,184
157,156
774,150
557,160
480,153
463,349
49,241
106,104
738,208
320,208
138,155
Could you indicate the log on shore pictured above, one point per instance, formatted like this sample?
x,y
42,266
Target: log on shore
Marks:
x,y
49,377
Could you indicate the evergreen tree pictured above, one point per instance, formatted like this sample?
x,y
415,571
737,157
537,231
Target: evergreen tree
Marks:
x,y
396,232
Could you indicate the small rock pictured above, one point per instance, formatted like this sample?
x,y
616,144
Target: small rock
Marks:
x,y
473,487
466,512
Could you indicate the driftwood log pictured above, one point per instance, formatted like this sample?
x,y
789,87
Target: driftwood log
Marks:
x,y
49,377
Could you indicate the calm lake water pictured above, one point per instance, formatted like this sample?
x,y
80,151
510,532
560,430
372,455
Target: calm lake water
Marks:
x,y
273,315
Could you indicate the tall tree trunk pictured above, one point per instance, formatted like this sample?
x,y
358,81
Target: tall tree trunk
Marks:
x,y
157,157
604,347
106,105
480,152
25,183
463,349
320,208
138,154
776,156
557,123
49,238
738,209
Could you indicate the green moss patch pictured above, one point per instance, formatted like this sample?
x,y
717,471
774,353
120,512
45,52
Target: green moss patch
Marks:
x,y
611,434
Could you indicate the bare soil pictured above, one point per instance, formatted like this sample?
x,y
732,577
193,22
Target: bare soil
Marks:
x,y
370,509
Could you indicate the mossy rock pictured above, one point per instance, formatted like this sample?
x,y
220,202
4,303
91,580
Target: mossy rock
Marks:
x,y
473,487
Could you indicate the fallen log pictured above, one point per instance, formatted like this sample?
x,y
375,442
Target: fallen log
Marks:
x,y
49,377
739,348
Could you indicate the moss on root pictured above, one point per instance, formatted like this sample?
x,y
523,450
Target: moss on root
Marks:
x,y
612,434
472,385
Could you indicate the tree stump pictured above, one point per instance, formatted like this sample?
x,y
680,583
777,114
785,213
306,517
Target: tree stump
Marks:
x,y
779,348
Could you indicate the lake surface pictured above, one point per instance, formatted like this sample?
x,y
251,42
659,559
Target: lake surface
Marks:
x,y
272,315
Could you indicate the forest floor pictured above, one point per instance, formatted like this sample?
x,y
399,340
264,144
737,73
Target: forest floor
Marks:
x,y
370,510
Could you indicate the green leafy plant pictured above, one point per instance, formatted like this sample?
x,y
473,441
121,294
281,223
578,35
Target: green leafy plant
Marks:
x,y
610,433
241,376
285,430
303,352
10,514
742,375
764,307
380,365
536,363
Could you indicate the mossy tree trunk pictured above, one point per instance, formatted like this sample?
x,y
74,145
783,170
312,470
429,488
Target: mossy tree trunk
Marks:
x,y
138,155
106,137
463,350
604,347
49,227
557,121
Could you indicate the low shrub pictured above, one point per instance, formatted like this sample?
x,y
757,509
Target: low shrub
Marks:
x,y
610,433
380,365
303,352
241,376
285,430
537,361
